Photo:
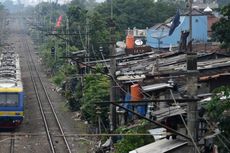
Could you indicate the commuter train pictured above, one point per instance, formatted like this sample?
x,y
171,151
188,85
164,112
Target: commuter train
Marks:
x,y
11,91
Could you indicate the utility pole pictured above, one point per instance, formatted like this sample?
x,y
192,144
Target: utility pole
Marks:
x,y
190,25
192,90
51,15
67,37
112,72
192,114
87,40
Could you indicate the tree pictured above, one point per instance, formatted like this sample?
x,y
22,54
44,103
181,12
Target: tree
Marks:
x,y
95,89
218,112
221,29
223,2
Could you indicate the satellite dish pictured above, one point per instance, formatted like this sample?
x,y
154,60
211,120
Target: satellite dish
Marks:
x,y
138,42
121,44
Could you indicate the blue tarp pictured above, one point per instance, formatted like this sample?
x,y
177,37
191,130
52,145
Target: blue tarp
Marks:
x,y
141,109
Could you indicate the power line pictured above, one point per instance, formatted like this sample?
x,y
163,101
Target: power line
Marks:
x,y
189,132
152,121
150,101
226,146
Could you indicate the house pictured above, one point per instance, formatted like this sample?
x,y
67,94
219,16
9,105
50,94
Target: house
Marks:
x,y
157,36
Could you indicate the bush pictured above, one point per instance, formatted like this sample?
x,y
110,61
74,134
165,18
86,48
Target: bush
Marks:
x,y
95,89
129,143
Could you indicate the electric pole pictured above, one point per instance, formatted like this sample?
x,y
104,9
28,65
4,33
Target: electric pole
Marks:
x,y
112,72
87,40
67,37
190,25
192,119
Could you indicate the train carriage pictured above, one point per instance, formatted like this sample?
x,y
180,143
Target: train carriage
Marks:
x,y
11,91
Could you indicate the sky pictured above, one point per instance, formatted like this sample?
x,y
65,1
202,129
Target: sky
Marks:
x,y
34,2
100,0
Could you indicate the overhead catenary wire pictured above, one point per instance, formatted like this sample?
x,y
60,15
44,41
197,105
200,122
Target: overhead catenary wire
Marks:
x,y
77,134
152,121
112,76
189,133
226,146
225,138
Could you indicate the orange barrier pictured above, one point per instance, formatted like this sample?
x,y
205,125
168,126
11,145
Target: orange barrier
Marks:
x,y
136,94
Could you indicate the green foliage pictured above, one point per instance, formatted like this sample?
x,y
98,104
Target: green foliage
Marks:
x,y
221,29
128,143
63,72
223,2
216,108
99,30
58,78
219,103
54,63
95,89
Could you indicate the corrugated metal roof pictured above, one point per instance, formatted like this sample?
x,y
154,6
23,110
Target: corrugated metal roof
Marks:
x,y
160,146
167,112
209,77
158,133
158,86
149,65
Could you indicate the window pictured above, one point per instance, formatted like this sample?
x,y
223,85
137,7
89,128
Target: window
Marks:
x,y
8,99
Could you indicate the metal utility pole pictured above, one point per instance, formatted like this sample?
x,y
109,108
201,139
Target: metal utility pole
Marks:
x,y
112,72
192,114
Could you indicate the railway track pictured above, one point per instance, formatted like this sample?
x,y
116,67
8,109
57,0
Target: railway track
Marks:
x,y
50,119
41,130
7,140
12,144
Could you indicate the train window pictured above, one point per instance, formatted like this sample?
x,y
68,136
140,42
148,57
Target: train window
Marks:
x,y
8,99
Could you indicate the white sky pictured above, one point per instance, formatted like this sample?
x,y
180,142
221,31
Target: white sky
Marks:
x,y
34,2
100,0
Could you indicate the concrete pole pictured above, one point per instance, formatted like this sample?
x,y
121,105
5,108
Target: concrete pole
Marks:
x,y
113,119
190,24
112,87
192,114
192,91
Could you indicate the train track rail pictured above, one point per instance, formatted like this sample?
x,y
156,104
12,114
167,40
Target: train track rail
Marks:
x,y
7,141
47,110
12,144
